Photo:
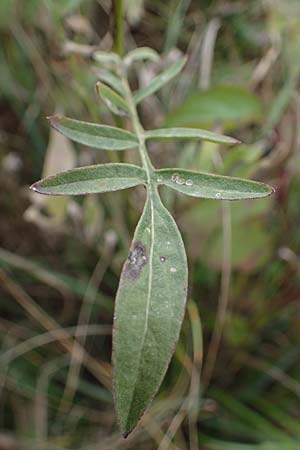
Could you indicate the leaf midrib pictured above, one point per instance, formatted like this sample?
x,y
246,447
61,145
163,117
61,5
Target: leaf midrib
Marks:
x,y
151,191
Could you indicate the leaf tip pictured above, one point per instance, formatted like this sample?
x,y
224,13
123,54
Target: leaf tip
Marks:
x,y
33,187
54,120
272,189
36,188
98,86
53,117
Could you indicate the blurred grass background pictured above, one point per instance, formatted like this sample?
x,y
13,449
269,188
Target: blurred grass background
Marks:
x,y
60,258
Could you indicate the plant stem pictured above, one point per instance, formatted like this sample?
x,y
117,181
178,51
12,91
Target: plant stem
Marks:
x,y
139,131
119,27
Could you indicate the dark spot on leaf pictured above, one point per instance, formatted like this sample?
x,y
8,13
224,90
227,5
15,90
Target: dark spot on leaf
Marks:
x,y
137,259
162,259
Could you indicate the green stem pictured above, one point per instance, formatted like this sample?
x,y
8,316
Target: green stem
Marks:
x,y
139,131
119,27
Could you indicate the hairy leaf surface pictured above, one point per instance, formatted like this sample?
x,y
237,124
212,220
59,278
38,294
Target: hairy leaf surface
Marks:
x,y
149,311
191,134
160,80
205,185
91,180
97,136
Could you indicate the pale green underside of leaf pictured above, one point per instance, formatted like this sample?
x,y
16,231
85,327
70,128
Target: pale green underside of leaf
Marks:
x,y
190,133
205,185
159,81
113,101
149,311
93,135
92,180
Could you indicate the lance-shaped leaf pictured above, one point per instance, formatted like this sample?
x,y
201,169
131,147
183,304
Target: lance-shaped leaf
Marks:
x,y
113,101
94,135
149,311
111,80
92,180
140,54
160,80
205,185
168,134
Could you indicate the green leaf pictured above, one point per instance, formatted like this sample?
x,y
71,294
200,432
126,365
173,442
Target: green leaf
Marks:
x,y
92,180
149,311
229,106
160,80
207,185
113,101
111,80
93,135
190,133
140,54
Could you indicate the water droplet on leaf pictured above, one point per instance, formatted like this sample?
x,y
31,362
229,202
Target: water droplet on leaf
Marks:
x,y
218,195
162,259
189,183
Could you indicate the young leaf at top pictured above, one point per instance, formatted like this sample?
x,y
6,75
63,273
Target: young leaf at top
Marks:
x,y
205,185
140,54
113,101
191,134
91,180
149,310
97,136
160,80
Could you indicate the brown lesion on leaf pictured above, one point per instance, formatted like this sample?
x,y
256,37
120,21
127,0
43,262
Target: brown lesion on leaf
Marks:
x,y
137,259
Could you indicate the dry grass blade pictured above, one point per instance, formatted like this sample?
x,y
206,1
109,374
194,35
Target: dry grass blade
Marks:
x,y
84,318
60,334
99,370
194,395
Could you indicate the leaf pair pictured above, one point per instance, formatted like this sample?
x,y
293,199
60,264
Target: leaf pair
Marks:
x,y
111,177
111,138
